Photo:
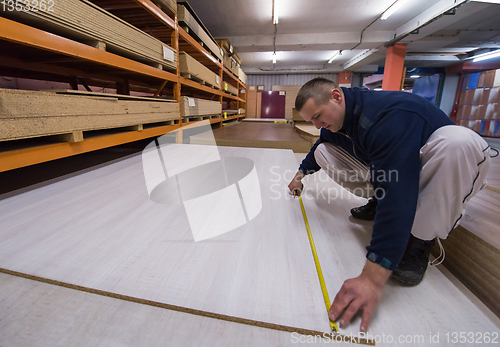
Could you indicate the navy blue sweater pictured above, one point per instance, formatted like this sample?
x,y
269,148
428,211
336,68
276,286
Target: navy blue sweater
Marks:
x,y
385,131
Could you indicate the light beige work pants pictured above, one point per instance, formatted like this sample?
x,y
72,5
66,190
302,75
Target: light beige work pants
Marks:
x,y
454,163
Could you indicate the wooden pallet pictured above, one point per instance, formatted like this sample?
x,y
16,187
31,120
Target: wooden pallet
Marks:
x,y
201,117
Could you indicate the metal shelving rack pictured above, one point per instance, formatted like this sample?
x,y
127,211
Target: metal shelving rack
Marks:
x,y
29,52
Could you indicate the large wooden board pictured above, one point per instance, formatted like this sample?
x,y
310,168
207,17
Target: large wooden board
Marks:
x,y
197,71
39,314
26,114
186,15
100,230
199,107
84,21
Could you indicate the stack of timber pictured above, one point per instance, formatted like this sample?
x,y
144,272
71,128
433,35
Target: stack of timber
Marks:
x,y
28,114
231,60
83,21
473,248
242,76
254,101
230,89
199,109
230,64
190,22
291,94
194,70
171,5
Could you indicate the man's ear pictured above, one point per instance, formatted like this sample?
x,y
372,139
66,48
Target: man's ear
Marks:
x,y
336,95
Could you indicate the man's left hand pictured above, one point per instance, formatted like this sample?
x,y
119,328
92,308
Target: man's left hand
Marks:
x,y
360,293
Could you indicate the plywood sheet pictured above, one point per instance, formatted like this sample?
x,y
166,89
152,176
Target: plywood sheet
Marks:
x,y
229,88
311,130
199,107
184,15
82,20
196,70
39,314
101,230
482,218
26,114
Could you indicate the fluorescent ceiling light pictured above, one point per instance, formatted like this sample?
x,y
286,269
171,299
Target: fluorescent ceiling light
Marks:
x,y
396,6
334,56
490,1
415,76
275,11
488,55
274,58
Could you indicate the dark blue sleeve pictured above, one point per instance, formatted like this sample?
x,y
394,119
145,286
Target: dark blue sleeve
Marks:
x,y
394,144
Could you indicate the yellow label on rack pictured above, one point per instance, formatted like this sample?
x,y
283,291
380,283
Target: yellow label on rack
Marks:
x,y
225,86
280,121
225,115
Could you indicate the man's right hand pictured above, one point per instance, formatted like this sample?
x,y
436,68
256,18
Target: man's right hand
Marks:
x,y
295,185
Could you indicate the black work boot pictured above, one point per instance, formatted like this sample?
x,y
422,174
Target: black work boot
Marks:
x,y
411,269
366,212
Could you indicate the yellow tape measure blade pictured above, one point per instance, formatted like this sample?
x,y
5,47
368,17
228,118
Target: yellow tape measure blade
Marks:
x,y
333,325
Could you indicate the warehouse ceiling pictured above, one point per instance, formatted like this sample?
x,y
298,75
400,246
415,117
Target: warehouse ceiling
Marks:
x,y
438,33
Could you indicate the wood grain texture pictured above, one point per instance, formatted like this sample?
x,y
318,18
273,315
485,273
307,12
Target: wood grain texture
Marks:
x,y
493,177
481,217
40,314
184,16
476,263
100,230
26,114
84,21
256,134
189,65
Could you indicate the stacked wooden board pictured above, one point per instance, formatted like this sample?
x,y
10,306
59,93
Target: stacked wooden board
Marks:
x,y
26,114
85,22
254,101
296,117
192,24
242,76
291,94
230,89
170,4
192,69
473,249
193,107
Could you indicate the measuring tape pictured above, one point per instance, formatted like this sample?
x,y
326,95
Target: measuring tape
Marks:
x,y
333,325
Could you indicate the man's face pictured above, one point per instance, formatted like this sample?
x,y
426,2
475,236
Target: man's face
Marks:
x,y
329,116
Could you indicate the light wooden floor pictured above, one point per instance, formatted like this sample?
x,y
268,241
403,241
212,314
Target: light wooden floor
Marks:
x,y
100,230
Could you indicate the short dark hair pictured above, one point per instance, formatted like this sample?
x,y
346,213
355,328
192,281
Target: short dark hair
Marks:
x,y
318,88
